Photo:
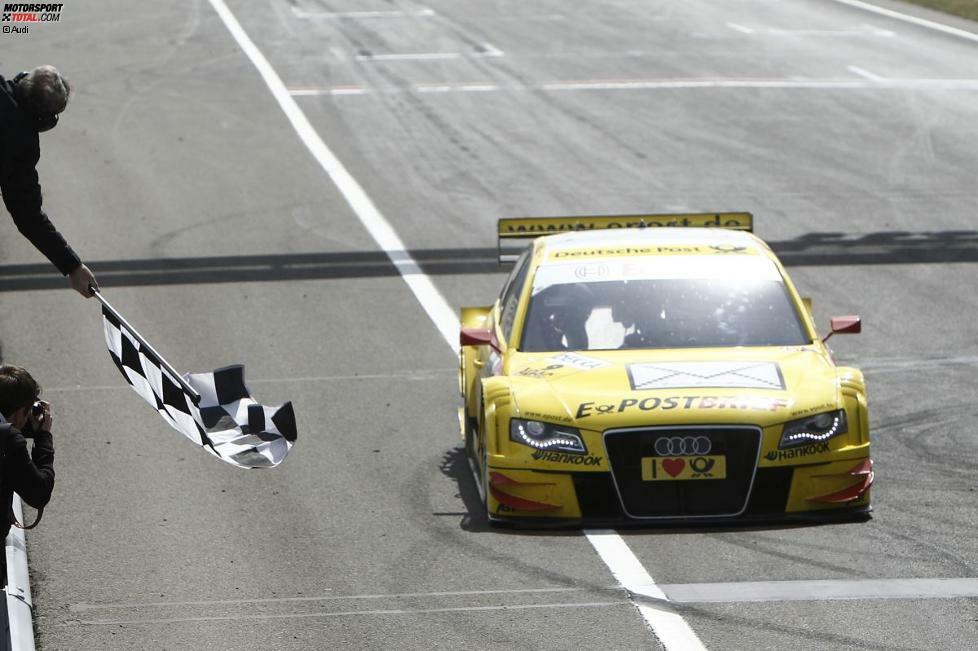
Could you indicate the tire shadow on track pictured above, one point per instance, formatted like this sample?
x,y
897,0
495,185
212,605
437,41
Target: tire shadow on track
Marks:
x,y
455,465
811,249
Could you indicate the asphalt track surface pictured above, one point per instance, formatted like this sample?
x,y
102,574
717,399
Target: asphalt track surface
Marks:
x,y
851,136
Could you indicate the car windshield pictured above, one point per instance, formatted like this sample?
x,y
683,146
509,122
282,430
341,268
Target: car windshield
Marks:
x,y
670,302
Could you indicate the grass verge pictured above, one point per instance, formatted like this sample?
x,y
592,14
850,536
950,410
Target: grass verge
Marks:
x,y
963,8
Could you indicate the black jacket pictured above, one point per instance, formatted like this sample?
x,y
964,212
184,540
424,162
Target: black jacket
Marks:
x,y
29,475
19,152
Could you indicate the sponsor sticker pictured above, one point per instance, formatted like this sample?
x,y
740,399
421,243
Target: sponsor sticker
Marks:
x,y
617,251
684,468
682,403
580,362
826,406
547,418
794,453
728,248
528,226
539,372
727,375
563,457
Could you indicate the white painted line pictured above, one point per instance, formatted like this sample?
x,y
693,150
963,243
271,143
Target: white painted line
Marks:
x,y
818,590
478,88
701,83
844,33
333,15
669,627
419,375
879,31
483,50
448,88
275,600
419,56
369,215
434,88
862,72
864,30
488,50
923,22
879,83
740,28
624,565
355,613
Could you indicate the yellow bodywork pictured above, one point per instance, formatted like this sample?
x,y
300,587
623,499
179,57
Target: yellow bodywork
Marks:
x,y
594,393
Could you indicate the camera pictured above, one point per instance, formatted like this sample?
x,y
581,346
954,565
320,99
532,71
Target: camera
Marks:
x,y
37,411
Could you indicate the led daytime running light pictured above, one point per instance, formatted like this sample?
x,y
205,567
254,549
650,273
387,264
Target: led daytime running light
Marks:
x,y
546,437
808,431
811,436
543,445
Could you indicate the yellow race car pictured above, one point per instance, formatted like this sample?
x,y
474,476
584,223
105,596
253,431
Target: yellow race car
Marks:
x,y
657,368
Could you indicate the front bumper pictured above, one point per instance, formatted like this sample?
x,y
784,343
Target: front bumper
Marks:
x,y
838,489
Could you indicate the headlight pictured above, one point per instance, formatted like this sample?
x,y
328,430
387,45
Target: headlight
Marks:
x,y
813,429
544,436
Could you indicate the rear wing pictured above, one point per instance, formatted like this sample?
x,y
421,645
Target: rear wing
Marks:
x,y
511,230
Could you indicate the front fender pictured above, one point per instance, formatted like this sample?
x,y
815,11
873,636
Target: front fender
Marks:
x,y
497,405
469,359
852,385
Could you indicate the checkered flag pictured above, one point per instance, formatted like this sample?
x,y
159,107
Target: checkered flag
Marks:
x,y
214,410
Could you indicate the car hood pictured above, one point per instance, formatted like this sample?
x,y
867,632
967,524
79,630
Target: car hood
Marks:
x,y
602,389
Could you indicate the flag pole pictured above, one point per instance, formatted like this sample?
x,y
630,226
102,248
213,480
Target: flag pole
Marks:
x,y
145,344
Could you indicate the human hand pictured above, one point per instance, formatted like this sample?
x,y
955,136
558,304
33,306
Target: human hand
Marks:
x,y
80,279
41,416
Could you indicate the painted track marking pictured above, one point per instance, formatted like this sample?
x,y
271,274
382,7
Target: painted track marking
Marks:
x,y
862,72
823,589
637,581
484,50
743,29
368,214
354,613
907,18
431,300
668,626
278,600
357,15
874,83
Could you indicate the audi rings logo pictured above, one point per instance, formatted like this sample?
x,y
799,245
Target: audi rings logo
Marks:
x,y
680,446
587,271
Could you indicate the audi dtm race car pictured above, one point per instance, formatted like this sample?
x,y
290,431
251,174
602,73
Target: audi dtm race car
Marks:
x,y
657,368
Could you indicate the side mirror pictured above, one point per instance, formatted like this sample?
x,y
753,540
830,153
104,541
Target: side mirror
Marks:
x,y
844,325
476,337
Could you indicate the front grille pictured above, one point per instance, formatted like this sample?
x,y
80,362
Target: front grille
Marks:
x,y
596,495
769,495
683,498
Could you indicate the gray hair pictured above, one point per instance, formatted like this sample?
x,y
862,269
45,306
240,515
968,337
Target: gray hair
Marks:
x,y
44,91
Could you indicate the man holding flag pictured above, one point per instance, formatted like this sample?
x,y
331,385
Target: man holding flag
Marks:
x,y
29,105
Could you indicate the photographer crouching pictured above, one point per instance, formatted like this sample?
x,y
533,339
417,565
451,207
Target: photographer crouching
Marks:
x,y
23,414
